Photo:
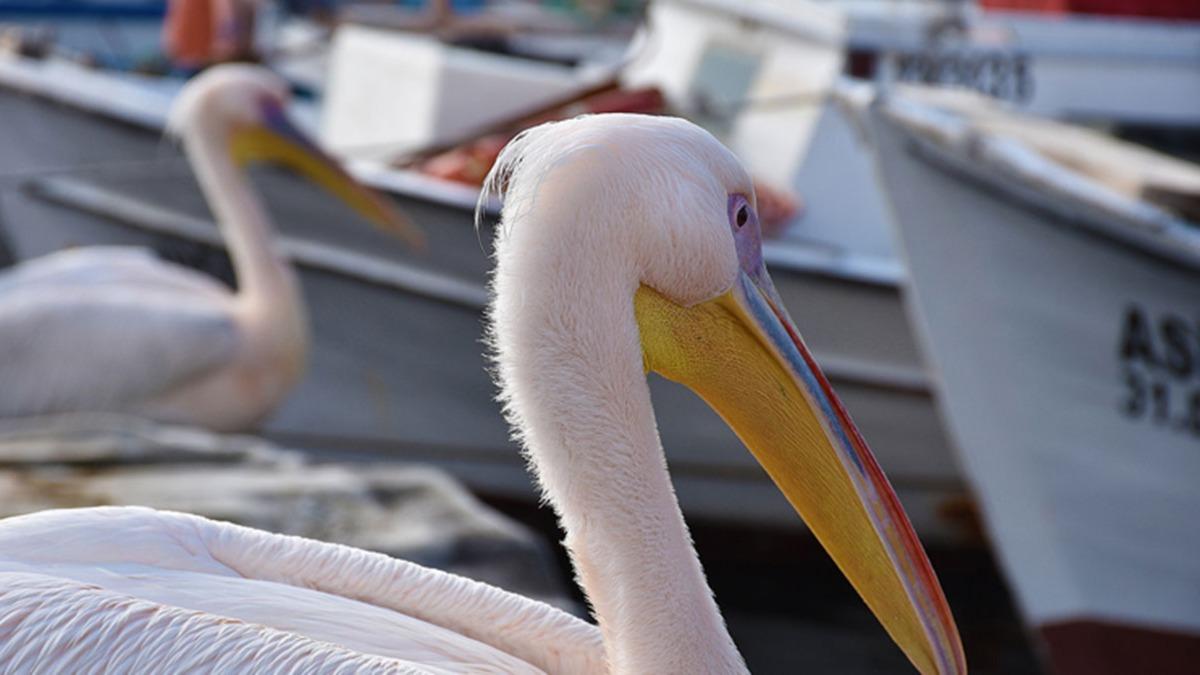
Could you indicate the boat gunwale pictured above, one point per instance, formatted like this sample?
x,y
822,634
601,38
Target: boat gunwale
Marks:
x,y
138,214
132,212
1141,228
843,265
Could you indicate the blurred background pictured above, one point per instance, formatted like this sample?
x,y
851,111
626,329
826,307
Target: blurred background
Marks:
x,y
981,215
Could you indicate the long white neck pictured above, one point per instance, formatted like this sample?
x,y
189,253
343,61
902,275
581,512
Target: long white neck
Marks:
x,y
571,364
266,284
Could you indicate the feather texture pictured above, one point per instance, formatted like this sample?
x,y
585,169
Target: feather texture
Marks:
x,y
113,329
186,580
105,330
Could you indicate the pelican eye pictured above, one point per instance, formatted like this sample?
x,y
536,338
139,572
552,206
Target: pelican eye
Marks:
x,y
743,215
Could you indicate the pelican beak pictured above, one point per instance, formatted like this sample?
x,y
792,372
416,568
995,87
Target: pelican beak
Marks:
x,y
742,354
277,140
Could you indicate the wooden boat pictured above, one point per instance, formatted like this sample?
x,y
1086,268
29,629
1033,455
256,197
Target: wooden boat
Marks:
x,y
1090,61
85,164
1054,276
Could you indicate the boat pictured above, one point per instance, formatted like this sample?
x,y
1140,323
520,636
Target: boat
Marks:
x,y
838,260
1105,62
1052,278
764,76
85,163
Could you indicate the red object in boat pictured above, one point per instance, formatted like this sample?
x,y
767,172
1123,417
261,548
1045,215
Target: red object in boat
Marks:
x,y
1147,9
188,32
1151,9
776,208
1049,6
196,33
470,163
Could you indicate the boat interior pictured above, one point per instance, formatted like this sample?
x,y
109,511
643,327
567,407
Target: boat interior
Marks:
x,y
1131,170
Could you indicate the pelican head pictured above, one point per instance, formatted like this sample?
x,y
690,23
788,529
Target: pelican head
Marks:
x,y
245,108
631,244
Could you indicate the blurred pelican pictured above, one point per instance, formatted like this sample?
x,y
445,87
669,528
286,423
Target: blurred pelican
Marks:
x,y
628,244
116,329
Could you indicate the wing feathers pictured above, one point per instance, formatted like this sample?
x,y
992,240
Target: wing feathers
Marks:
x,y
53,625
538,634
92,349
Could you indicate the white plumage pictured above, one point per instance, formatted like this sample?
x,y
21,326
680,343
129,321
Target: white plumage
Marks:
x,y
108,329
601,209
115,329
126,589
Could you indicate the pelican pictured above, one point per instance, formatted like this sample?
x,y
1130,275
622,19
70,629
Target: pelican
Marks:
x,y
115,329
628,244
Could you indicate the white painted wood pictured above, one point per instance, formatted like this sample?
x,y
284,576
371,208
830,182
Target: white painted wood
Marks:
x,y
1030,286
391,90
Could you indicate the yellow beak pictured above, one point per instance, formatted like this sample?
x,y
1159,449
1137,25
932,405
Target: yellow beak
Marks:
x,y
741,353
278,141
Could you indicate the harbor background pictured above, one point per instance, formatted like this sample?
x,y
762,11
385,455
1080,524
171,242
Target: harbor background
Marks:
x,y
397,377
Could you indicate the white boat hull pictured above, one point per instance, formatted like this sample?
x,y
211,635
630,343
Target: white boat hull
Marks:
x,y
1067,363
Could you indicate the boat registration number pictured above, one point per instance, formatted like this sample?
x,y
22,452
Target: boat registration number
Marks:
x,y
1001,74
1160,363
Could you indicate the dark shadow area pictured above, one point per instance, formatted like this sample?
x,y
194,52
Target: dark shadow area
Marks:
x,y
790,610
